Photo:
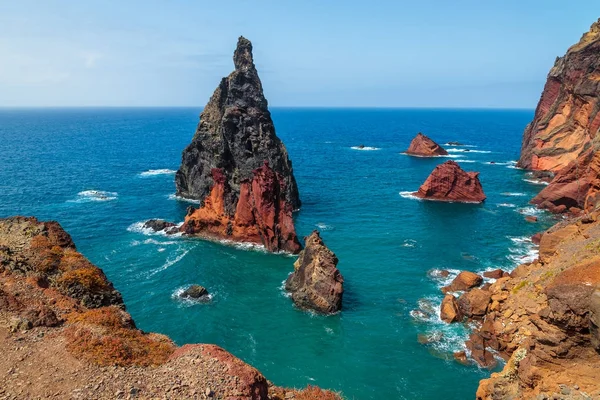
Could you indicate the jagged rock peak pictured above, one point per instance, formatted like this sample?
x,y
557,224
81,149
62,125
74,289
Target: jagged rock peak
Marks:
x,y
242,56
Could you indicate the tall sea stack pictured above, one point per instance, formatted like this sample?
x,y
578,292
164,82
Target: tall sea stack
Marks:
x,y
563,136
237,166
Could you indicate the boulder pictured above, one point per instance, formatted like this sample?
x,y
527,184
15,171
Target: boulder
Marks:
x,y
423,146
316,283
474,303
158,225
464,281
448,182
531,218
194,292
494,274
595,319
238,168
449,311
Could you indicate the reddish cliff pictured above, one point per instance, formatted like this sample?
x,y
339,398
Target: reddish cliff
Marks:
x,y
566,118
75,339
237,166
562,137
423,146
262,214
448,182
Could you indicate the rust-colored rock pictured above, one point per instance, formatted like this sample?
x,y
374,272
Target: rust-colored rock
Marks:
x,y
474,303
423,146
531,218
316,283
448,182
449,311
261,216
566,118
237,166
464,281
494,274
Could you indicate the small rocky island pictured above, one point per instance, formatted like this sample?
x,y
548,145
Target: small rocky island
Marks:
x,y
423,146
316,283
238,168
448,182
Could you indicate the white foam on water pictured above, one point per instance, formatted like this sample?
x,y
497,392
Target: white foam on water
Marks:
x,y
170,261
173,196
154,172
468,151
536,182
508,205
443,156
459,145
409,243
465,161
409,195
366,148
530,211
324,227
515,194
282,290
523,251
158,242
94,195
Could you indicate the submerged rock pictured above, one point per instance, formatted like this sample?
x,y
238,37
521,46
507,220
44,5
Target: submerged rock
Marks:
x,y
423,146
316,283
158,225
194,292
238,167
448,182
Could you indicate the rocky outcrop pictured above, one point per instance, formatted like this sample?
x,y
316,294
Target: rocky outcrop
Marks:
x,y
562,138
316,283
449,311
423,146
566,118
237,166
194,292
465,280
543,319
448,182
73,332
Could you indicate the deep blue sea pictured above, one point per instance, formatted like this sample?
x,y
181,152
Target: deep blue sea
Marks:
x,y
54,164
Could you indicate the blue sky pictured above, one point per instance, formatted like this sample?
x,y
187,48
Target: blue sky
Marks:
x,y
328,53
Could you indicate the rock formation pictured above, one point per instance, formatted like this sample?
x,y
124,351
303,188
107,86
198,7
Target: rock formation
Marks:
x,y
423,146
72,328
543,319
316,283
562,138
448,182
465,280
194,292
237,166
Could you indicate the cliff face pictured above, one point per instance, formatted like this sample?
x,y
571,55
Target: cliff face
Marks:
x,y
448,182
236,163
423,146
566,119
316,283
71,328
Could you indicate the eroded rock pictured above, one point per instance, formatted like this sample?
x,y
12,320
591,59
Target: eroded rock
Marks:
x,y
448,182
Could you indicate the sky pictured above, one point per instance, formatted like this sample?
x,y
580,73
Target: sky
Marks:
x,y
309,53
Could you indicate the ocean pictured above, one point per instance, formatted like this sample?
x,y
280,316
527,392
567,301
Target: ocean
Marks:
x,y
103,172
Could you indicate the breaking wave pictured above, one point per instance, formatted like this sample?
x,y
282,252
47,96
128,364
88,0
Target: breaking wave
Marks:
x,y
153,172
94,195
365,148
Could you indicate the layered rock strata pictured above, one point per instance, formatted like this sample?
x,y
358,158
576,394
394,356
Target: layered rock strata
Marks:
x,y
423,146
316,283
448,182
64,331
237,166
562,138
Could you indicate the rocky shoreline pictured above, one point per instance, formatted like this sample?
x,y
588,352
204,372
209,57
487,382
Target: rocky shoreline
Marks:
x,y
64,333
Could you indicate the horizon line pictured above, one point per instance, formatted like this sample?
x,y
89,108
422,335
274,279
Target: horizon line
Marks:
x,y
278,107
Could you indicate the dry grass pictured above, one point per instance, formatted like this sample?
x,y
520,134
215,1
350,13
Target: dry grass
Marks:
x,y
91,278
104,336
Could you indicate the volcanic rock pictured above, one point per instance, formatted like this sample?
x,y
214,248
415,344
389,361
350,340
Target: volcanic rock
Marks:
x,y
316,283
448,182
160,225
449,311
595,319
423,146
531,218
194,292
494,274
237,166
464,281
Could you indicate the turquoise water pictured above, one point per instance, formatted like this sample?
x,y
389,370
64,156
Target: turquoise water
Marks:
x,y
386,242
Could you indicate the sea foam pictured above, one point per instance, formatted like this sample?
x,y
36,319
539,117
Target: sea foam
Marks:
x,y
154,172
366,148
94,195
